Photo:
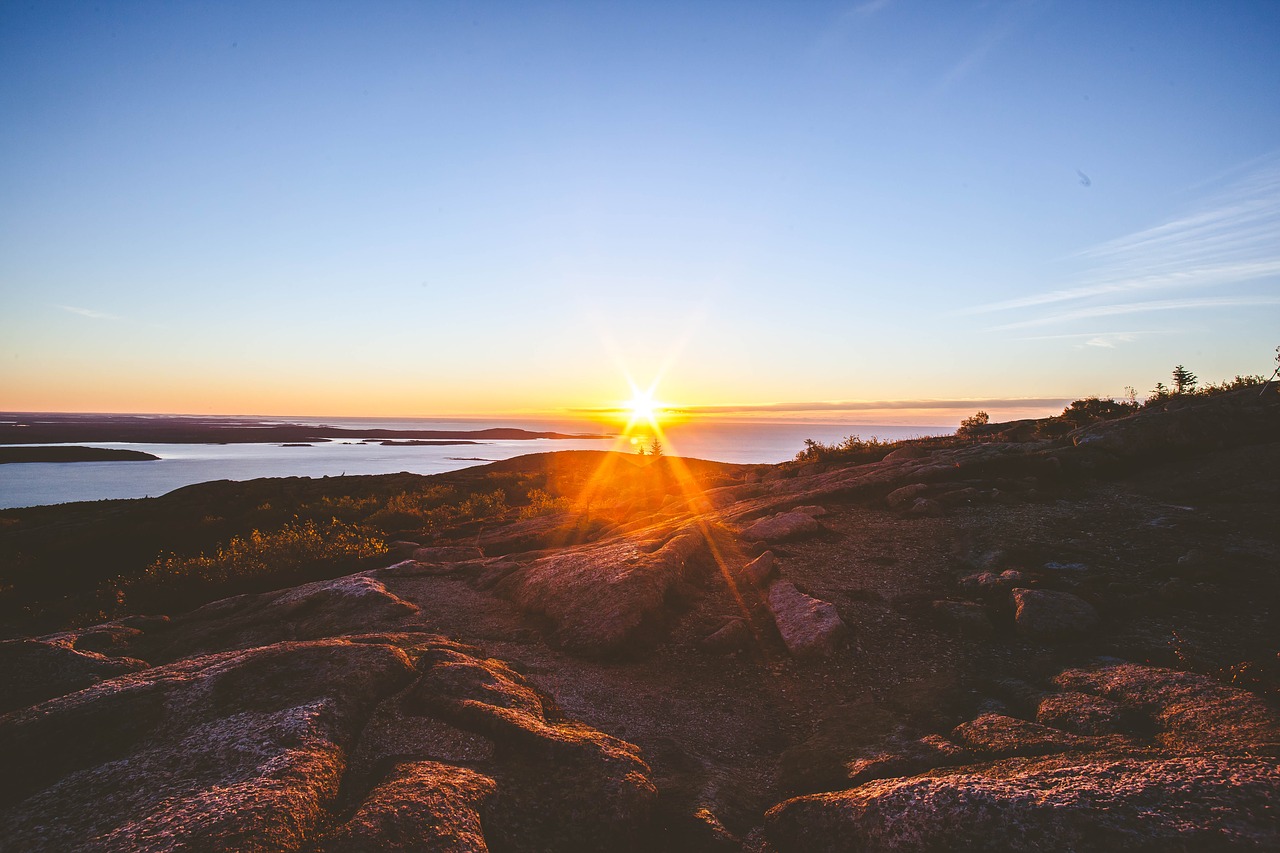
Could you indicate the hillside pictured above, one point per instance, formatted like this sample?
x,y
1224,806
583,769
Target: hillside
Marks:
x,y
1008,642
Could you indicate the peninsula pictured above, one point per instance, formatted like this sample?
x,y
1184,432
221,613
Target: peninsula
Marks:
x,y
10,455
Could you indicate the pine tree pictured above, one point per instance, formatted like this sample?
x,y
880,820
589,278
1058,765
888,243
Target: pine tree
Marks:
x,y
1184,381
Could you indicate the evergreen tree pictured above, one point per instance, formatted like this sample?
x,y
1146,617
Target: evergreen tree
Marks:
x,y
1184,381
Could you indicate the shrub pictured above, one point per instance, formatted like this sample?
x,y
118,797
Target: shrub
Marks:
x,y
542,503
871,449
1091,409
1209,388
260,560
482,506
973,423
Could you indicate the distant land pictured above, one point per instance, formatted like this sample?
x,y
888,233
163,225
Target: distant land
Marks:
x,y
50,428
417,442
72,454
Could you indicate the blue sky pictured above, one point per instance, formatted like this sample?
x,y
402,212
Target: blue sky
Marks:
x,y
398,209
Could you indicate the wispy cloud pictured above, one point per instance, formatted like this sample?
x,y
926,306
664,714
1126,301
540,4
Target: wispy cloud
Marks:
x,y
1123,336
1007,19
1231,239
850,19
89,312
871,7
1107,340
1141,307
972,59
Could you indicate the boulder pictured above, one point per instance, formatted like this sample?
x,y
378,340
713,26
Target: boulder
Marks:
x,y
1188,803
899,757
1081,713
905,496
809,626
1043,614
421,805
1003,737
403,549
605,598
37,669
353,604
1190,710
781,527
562,785
236,750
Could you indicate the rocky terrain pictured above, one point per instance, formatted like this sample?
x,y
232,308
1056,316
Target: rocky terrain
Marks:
x,y
1018,644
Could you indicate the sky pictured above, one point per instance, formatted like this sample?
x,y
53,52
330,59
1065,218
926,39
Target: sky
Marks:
x,y
875,212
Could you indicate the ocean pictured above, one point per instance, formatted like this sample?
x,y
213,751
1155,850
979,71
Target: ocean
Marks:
x,y
38,483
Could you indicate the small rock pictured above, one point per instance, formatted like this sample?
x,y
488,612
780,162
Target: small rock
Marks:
x,y
730,637
812,510
989,583
1048,615
759,570
980,582
926,508
704,831
905,496
809,626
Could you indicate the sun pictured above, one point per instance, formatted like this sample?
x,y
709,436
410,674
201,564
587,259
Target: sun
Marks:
x,y
642,408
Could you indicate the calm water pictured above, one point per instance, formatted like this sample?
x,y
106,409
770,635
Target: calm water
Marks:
x,y
34,484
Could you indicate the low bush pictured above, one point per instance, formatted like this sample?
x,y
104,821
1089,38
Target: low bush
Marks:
x,y
542,503
851,448
261,560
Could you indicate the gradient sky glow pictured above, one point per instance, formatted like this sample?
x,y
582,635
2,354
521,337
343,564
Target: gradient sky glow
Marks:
x,y
429,209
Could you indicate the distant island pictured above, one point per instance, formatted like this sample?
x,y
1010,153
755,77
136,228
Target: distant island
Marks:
x,y
418,442
51,428
10,455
